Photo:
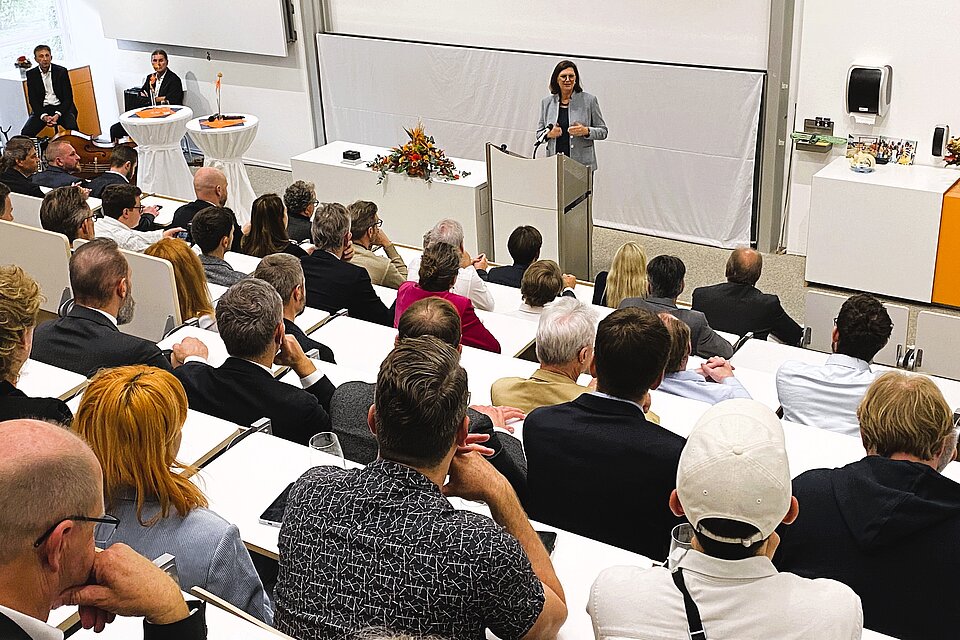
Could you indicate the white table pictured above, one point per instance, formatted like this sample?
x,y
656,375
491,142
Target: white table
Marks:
x,y
241,262
162,167
168,206
877,231
40,380
409,206
513,334
224,149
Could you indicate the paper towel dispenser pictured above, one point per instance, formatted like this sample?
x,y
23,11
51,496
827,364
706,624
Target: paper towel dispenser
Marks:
x,y
868,90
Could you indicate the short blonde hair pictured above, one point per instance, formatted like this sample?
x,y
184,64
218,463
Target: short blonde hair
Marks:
x,y
20,300
628,275
132,418
903,413
192,291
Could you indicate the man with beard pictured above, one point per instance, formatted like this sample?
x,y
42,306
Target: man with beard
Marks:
x,y
62,162
87,338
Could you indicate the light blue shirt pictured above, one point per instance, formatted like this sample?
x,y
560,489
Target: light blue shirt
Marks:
x,y
824,396
690,384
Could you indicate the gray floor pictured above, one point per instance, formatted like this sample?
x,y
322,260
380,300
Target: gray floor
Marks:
x,y
782,274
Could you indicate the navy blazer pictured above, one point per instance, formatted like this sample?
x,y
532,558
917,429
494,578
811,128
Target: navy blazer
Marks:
x,y
61,86
242,392
19,183
307,343
102,181
739,308
333,284
85,341
597,467
54,177
510,275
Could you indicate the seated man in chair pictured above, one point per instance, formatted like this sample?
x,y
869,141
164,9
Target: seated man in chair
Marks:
x,y
50,95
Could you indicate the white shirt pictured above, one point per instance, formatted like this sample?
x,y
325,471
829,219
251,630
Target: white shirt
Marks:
x,y
526,312
306,383
824,396
35,628
124,236
738,599
49,97
469,284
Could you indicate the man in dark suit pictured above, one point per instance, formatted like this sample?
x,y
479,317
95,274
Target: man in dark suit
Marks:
x,y
596,466
283,272
737,306
332,282
50,95
243,389
20,161
123,165
65,210
210,185
87,338
524,247
62,162
51,498
665,274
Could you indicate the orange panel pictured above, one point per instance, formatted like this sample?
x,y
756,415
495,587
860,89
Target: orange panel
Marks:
x,y
946,278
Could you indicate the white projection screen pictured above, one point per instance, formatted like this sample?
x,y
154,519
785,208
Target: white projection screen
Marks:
x,y
679,161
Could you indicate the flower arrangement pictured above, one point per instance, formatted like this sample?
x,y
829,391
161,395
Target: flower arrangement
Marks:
x,y
418,158
953,157
22,63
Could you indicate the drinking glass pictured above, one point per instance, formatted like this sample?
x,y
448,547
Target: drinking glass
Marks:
x,y
327,442
681,537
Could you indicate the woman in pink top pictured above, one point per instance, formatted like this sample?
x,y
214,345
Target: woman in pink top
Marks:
x,y
438,272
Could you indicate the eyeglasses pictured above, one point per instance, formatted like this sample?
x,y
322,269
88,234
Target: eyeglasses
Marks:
x,y
567,78
96,215
314,202
104,532
378,223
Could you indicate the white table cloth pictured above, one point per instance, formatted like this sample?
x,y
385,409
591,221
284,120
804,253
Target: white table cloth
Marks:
x,y
162,169
223,149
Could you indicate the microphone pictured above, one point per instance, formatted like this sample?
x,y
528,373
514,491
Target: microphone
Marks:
x,y
542,137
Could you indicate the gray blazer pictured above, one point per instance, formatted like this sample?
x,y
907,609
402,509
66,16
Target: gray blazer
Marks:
x,y
705,341
208,549
584,109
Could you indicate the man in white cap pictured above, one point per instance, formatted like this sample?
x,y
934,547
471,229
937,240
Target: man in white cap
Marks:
x,y
733,486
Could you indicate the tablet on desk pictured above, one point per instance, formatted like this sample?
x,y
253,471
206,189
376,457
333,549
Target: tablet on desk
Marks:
x,y
273,515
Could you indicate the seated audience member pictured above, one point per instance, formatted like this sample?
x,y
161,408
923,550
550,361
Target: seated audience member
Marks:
x,y
121,215
65,210
212,230
627,277
300,198
132,418
87,338
123,166
565,339
737,306
351,401
585,456
883,523
827,396
62,162
6,204
20,299
712,382
733,486
268,229
542,283
438,272
51,497
524,246
210,186
473,271
332,282
243,389
285,274
18,164
666,284
192,291
349,538
366,227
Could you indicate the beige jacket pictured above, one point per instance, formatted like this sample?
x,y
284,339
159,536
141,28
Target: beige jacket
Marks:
x,y
387,272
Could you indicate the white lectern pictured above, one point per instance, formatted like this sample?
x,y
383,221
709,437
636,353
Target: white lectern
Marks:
x,y
552,194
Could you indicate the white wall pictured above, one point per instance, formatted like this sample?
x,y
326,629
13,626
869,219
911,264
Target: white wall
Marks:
x,y
273,89
723,33
914,38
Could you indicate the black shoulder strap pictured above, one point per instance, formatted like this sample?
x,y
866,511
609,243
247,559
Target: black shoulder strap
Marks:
x,y
694,624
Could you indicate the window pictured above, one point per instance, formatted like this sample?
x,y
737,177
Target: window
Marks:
x,y
26,23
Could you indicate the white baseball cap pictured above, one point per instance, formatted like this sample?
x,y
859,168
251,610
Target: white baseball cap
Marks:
x,y
734,466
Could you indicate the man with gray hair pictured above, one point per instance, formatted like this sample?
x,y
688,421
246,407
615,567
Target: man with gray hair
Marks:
x,y
284,272
243,389
51,500
65,210
332,282
473,271
300,199
565,339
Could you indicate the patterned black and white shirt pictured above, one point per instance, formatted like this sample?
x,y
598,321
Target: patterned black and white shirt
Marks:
x,y
382,547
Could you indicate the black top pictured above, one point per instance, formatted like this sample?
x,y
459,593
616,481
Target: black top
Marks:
x,y
600,289
171,88
15,405
563,119
333,284
381,546
193,627
183,216
306,342
739,308
294,249
102,181
298,227
60,79
53,177
509,275
597,467
19,183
